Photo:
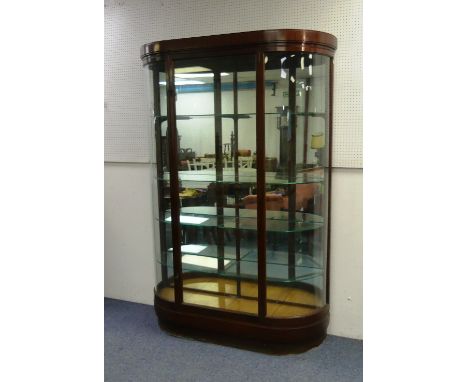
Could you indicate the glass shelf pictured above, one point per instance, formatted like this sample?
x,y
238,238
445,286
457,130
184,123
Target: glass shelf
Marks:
x,y
248,267
247,176
210,251
224,115
240,115
276,221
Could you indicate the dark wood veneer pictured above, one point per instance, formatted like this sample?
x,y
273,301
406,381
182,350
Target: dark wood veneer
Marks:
x,y
174,180
261,206
307,329
310,329
245,42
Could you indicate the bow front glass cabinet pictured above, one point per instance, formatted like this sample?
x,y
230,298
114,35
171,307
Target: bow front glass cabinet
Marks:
x,y
242,149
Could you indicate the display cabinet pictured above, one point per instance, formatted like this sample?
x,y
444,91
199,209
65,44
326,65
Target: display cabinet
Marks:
x,y
242,159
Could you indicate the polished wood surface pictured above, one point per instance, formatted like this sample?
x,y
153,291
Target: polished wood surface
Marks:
x,y
282,301
213,324
261,206
172,137
303,39
330,162
292,168
218,139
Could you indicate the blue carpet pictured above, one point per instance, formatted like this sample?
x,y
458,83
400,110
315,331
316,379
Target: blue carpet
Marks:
x,y
136,349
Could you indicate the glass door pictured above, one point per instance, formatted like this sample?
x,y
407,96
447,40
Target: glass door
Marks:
x,y
215,109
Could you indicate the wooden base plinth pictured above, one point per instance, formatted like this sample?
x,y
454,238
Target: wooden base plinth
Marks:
x,y
215,309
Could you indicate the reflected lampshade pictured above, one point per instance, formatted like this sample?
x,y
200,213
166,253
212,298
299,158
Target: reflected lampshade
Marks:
x,y
317,141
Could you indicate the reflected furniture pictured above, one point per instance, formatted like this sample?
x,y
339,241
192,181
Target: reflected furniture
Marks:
x,y
243,245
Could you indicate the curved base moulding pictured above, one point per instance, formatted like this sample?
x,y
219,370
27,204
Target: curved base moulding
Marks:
x,y
277,335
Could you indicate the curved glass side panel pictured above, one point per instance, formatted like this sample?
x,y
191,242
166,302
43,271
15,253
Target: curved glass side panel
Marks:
x,y
161,199
297,136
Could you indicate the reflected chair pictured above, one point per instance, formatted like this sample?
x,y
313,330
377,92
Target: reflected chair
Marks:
x,y
245,162
273,202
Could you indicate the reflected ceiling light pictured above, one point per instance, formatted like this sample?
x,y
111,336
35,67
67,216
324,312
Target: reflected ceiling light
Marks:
x,y
206,262
302,62
198,75
184,82
191,69
189,219
192,248
282,72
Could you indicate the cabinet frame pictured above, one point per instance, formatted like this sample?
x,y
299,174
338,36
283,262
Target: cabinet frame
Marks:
x,y
258,43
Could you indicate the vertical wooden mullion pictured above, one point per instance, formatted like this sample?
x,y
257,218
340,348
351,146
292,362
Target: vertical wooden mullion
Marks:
x,y
174,180
159,172
219,169
235,150
306,121
292,120
330,139
261,207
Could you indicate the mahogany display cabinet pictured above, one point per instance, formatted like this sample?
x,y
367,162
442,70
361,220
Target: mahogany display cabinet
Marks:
x,y
242,179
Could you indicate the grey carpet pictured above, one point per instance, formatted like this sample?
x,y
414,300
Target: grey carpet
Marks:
x,y
136,349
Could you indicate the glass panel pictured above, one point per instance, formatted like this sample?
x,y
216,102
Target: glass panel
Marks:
x,y
161,199
215,106
296,111
216,124
321,248
205,172
296,132
277,220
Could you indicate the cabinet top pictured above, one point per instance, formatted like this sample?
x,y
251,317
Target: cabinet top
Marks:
x,y
245,42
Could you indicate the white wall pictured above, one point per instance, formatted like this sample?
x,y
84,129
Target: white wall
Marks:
x,y
128,232
346,253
